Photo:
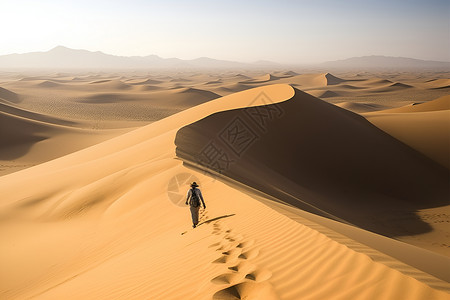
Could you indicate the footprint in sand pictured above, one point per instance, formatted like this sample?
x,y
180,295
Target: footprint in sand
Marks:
x,y
259,275
203,216
247,290
227,246
243,266
228,256
228,278
243,270
249,254
217,231
244,279
233,238
233,252
214,245
237,277
217,227
251,274
246,244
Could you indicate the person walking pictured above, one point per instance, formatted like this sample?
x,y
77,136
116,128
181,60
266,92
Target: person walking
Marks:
x,y
194,195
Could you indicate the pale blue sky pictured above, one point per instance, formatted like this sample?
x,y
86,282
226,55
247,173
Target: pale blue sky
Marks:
x,y
283,31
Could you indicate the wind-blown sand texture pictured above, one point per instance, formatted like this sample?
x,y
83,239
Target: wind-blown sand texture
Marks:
x,y
292,193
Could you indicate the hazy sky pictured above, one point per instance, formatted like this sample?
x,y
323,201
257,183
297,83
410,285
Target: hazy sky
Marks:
x,y
283,31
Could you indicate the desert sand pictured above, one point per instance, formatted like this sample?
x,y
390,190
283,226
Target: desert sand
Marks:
x,y
317,185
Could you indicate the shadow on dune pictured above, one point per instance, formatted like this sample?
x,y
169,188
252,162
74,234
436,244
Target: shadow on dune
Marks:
x,y
9,95
18,135
322,159
215,219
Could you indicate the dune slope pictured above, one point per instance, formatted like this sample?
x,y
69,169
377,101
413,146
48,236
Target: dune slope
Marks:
x,y
425,127
8,95
320,158
29,138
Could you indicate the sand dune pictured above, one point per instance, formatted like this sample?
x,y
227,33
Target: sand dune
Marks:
x,y
437,84
8,95
214,82
29,138
146,88
22,113
31,135
111,84
261,79
290,73
190,97
313,80
113,100
197,91
76,78
177,86
109,222
192,92
400,85
33,78
48,84
179,80
101,98
350,87
101,81
323,93
234,88
359,107
423,127
19,134
242,76
391,87
355,161
332,80
442,103
377,81
149,81
107,244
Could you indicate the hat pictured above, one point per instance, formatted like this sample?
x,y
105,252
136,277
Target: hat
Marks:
x,y
194,184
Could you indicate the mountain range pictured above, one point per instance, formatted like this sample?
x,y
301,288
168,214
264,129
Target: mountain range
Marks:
x,y
65,58
378,62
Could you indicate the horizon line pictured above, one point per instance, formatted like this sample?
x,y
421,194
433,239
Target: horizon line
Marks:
x,y
226,60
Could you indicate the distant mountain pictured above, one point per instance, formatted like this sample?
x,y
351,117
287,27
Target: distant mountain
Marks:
x,y
65,58
385,62
62,57
206,62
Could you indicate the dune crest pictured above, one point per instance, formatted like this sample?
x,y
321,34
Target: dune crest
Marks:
x,y
316,80
261,79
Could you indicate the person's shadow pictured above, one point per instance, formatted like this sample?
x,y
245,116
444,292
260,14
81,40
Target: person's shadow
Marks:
x,y
215,219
